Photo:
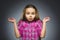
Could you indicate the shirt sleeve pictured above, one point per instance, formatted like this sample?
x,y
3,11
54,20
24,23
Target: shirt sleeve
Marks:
x,y
19,26
40,24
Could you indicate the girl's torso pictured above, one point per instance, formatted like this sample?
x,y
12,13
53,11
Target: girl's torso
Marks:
x,y
30,31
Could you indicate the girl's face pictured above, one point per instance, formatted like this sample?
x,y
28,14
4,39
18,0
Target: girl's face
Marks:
x,y
30,14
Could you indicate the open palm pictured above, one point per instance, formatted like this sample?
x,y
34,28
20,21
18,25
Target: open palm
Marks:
x,y
11,20
46,19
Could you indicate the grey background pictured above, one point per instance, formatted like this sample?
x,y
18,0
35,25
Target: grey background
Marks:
x,y
15,9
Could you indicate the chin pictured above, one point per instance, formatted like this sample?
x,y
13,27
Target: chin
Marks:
x,y
30,20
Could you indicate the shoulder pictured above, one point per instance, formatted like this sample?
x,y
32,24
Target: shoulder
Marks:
x,y
39,21
20,22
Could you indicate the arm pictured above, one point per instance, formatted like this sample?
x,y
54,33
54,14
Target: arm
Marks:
x,y
43,32
16,30
13,20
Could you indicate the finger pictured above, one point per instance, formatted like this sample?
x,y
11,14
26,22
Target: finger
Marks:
x,y
48,18
13,18
8,19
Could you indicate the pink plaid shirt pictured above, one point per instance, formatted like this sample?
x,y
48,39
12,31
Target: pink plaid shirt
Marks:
x,y
29,31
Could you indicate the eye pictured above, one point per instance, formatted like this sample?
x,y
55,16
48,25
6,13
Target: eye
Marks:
x,y
27,13
33,13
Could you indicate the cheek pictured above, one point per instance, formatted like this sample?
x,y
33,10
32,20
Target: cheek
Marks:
x,y
33,16
27,16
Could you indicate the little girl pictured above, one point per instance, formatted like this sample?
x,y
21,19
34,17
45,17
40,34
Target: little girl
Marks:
x,y
30,26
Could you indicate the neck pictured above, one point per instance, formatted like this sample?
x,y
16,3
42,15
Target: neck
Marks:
x,y
30,21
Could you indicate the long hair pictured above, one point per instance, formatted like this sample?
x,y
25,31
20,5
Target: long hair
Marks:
x,y
36,11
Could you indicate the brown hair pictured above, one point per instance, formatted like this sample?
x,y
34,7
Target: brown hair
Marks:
x,y
32,6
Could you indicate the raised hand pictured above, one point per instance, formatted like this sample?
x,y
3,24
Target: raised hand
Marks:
x,y
12,20
46,19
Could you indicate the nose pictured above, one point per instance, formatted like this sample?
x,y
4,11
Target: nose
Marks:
x,y
30,16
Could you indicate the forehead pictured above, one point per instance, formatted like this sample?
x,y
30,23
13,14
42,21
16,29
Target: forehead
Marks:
x,y
30,9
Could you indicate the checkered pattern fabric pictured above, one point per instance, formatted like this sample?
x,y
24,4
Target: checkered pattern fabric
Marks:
x,y
29,31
